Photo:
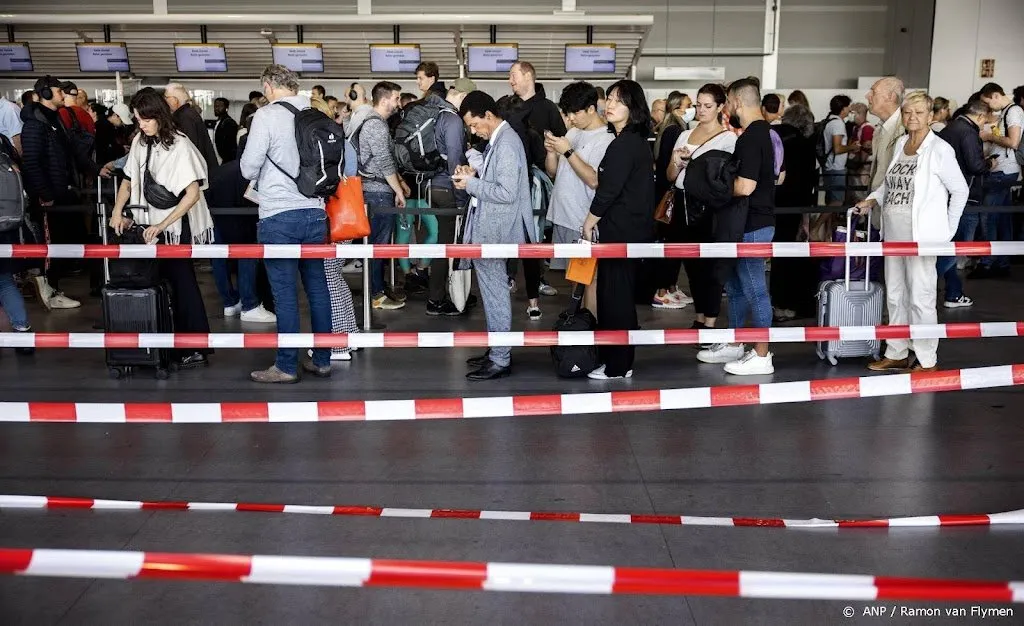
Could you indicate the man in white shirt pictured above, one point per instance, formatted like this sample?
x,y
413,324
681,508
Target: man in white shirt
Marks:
x,y
10,122
1003,138
884,101
572,162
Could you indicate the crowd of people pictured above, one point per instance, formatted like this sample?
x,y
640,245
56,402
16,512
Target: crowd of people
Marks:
x,y
601,165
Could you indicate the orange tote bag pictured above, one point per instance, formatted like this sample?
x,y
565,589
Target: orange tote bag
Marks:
x,y
346,211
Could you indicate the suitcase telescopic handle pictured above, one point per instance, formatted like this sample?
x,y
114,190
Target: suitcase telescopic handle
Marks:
x,y
849,238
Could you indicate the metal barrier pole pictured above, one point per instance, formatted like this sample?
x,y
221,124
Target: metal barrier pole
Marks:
x,y
367,296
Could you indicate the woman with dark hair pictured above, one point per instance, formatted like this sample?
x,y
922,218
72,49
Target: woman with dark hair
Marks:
x,y
166,174
798,97
698,227
622,212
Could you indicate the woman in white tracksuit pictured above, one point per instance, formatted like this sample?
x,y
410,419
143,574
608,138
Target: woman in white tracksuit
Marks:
x,y
922,198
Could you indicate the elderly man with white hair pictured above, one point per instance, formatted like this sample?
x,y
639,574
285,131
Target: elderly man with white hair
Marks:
x,y
190,122
884,101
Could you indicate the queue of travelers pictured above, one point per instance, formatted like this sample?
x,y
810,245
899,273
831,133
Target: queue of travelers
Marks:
x,y
920,166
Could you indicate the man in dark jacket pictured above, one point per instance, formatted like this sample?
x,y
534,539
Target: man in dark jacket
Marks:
x,y
963,135
225,131
190,122
49,174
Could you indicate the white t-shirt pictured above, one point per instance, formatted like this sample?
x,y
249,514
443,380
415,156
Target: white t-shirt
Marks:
x,y
835,127
571,197
723,141
1006,161
10,119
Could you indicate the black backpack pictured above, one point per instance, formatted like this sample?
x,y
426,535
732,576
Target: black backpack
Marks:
x,y
12,195
416,139
82,141
823,147
321,144
575,361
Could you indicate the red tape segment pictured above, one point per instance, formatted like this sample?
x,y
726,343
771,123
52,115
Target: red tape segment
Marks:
x,y
523,251
17,502
476,339
509,406
479,576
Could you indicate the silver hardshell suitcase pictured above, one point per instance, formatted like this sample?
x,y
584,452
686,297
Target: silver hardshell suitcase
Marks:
x,y
841,303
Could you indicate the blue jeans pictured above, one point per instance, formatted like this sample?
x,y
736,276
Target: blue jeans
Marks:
x,y
382,225
246,290
835,178
747,289
293,227
999,226
12,302
946,265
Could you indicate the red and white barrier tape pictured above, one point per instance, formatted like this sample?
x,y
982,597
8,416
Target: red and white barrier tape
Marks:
x,y
509,406
12,502
512,251
801,334
481,576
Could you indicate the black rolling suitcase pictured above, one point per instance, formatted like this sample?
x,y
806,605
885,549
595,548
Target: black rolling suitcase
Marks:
x,y
136,301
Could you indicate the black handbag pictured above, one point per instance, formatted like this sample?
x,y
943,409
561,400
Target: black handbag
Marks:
x,y
156,194
132,273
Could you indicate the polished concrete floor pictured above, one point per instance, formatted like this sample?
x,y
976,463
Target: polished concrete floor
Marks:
x,y
912,455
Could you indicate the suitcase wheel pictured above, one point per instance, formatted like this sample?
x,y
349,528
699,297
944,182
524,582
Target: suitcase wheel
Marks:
x,y
833,360
115,373
162,374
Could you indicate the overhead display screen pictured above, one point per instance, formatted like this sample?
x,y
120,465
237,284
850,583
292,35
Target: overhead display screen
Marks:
x,y
492,57
15,57
103,57
300,57
394,59
200,57
590,58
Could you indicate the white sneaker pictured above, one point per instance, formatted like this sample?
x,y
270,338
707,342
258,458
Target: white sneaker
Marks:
x,y
233,311
599,374
751,365
338,356
43,290
680,296
533,313
666,302
352,268
721,353
960,302
547,290
60,301
259,315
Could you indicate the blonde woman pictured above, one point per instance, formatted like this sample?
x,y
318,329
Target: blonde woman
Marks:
x,y
922,197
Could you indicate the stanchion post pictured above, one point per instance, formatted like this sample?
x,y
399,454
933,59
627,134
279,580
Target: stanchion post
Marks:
x,y
367,296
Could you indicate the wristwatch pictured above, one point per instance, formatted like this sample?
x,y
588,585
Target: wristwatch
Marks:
x,y
568,153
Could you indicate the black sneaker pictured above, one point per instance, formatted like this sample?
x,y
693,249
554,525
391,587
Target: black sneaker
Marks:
x,y
196,359
698,326
445,307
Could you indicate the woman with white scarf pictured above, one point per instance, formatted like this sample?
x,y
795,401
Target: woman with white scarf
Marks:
x,y
165,170
922,198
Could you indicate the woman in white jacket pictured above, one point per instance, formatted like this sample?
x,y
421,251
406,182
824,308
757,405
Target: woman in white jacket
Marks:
x,y
922,198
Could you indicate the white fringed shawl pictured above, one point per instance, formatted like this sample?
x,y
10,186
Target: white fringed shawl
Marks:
x,y
175,168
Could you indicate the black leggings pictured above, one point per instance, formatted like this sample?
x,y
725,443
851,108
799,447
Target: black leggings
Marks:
x,y
187,304
616,311
705,287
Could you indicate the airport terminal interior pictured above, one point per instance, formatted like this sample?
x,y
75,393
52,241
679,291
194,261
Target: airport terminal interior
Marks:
x,y
739,508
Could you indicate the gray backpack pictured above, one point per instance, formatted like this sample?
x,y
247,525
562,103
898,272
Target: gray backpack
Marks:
x,y
12,195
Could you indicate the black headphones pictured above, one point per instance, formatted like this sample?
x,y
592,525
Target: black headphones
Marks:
x,y
46,93
352,93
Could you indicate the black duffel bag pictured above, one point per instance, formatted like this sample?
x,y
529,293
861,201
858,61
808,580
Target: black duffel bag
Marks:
x,y
132,273
575,361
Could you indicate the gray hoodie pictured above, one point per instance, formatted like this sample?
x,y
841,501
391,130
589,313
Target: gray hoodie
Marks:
x,y
272,136
374,149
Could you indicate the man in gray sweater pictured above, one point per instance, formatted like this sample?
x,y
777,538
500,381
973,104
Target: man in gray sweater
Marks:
x,y
382,186
287,217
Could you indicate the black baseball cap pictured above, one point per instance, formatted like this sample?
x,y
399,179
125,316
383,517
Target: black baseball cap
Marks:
x,y
47,82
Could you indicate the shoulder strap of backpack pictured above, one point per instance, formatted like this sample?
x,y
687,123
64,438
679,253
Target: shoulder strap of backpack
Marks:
x,y
288,106
291,109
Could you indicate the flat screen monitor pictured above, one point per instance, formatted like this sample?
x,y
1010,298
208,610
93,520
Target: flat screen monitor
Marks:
x,y
300,57
200,57
492,57
103,57
394,58
15,57
590,58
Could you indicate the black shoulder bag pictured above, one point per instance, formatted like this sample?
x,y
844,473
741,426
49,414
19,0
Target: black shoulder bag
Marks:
x,y
156,194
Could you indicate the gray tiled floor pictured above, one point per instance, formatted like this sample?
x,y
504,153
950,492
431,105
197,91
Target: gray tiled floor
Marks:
x,y
913,455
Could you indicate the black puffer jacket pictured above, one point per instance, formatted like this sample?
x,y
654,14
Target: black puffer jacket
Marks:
x,y
47,161
962,134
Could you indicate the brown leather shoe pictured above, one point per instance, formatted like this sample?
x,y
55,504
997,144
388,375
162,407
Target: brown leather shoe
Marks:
x,y
890,365
917,368
319,372
272,375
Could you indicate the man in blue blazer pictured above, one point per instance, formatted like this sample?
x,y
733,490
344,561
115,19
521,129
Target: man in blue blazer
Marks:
x,y
500,212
